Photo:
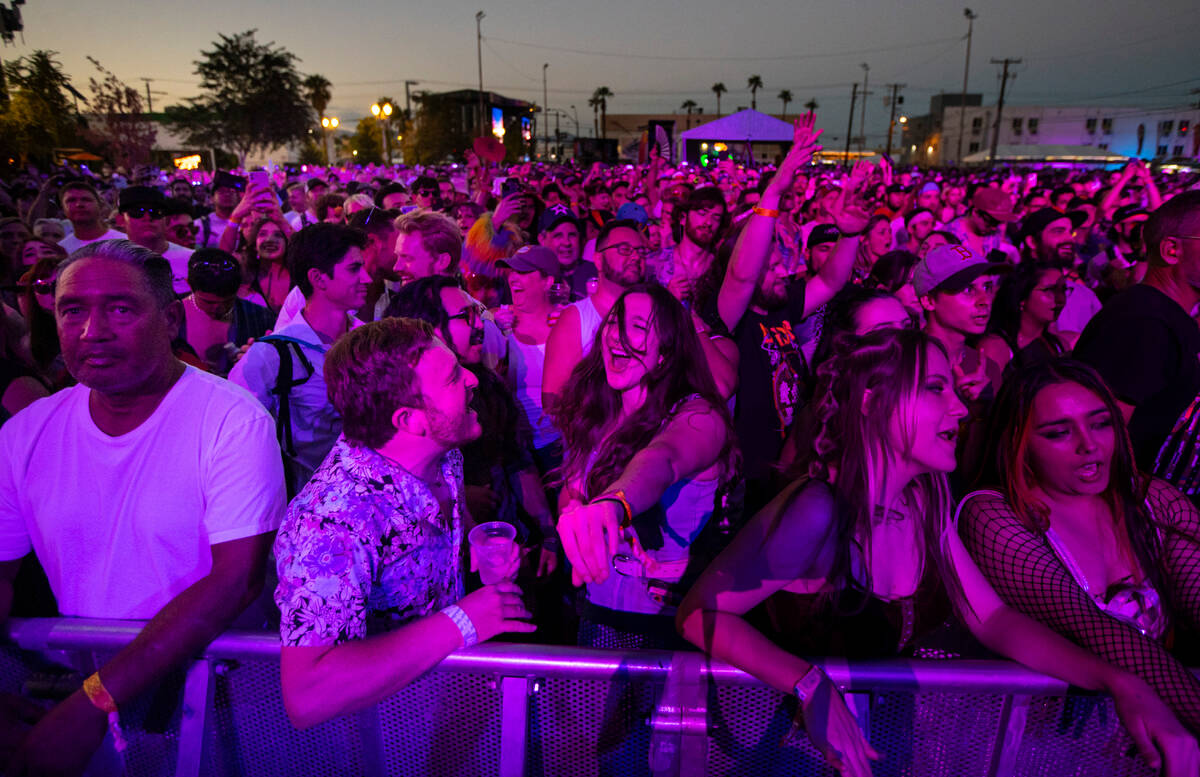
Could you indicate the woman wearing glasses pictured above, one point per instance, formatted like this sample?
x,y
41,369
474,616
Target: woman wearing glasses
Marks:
x,y
40,347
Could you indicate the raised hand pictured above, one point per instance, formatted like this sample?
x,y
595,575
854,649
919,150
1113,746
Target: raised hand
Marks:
x,y
851,214
804,145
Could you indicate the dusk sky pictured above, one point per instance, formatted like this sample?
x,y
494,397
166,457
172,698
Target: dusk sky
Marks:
x,y
654,55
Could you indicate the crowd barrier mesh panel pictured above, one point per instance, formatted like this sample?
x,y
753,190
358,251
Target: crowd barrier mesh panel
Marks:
x,y
444,723
253,736
591,728
1077,736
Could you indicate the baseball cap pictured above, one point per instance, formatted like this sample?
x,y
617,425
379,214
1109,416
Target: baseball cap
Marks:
x,y
822,233
633,212
139,196
930,187
951,268
995,203
314,182
1130,213
530,258
555,215
1037,221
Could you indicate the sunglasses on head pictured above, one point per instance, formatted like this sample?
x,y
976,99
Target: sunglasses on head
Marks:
x,y
142,211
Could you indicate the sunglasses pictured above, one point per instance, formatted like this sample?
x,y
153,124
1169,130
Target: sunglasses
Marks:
x,y
43,288
427,192
143,211
179,229
988,218
215,265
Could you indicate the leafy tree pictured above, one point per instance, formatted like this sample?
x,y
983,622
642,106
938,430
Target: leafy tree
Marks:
x,y
118,124
785,97
719,89
40,117
754,83
317,90
251,98
601,96
689,106
367,141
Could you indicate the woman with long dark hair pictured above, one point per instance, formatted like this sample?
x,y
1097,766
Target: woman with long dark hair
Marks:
x,y
1026,305
1075,537
266,265
37,306
856,559
647,446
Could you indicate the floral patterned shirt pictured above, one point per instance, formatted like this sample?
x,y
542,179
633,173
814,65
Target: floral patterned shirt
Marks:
x,y
364,548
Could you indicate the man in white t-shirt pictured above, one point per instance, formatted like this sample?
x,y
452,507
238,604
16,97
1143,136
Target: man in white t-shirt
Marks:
x,y
86,212
145,211
148,491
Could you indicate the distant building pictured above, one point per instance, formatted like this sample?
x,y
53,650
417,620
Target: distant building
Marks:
x,y
1147,133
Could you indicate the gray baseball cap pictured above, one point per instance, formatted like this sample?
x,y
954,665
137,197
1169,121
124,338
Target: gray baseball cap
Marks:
x,y
952,268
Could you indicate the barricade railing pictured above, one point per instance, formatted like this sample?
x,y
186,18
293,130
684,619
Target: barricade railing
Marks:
x,y
512,709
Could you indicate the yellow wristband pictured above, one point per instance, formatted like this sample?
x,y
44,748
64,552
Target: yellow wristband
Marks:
x,y
768,212
102,700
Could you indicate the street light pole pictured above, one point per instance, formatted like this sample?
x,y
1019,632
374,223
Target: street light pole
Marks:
x,y
545,102
328,125
862,120
962,103
479,53
383,113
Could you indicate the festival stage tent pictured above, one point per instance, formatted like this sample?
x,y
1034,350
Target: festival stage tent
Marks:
x,y
766,134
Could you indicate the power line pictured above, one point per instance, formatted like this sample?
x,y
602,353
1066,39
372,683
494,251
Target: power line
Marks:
x,y
779,57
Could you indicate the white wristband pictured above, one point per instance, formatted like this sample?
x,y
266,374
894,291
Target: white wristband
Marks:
x,y
464,624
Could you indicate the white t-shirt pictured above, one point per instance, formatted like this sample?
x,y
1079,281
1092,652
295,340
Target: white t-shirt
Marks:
x,y
71,242
124,524
178,256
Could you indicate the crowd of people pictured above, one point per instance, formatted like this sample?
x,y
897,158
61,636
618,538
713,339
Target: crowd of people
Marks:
x,y
766,413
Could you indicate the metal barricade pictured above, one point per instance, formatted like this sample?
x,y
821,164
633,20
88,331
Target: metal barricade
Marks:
x,y
509,710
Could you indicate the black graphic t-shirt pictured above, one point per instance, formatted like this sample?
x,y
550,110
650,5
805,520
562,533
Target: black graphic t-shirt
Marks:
x,y
772,372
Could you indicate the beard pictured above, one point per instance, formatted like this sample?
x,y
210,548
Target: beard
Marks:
x,y
702,236
769,299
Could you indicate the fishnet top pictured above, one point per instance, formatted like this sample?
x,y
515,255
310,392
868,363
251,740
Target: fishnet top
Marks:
x,y
1028,575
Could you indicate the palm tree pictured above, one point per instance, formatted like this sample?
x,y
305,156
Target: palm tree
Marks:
x,y
689,106
719,89
754,83
594,102
602,94
317,92
785,97
812,105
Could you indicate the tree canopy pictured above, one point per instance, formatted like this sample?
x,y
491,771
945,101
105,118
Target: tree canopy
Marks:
x,y
119,126
40,115
250,99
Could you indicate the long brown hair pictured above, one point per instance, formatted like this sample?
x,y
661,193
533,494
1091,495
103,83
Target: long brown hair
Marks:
x,y
867,382
1009,469
588,405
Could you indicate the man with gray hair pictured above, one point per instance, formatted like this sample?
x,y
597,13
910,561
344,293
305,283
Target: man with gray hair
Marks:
x,y
150,491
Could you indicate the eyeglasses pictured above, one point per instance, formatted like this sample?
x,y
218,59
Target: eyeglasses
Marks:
x,y
472,315
988,218
626,249
142,211
179,229
44,288
426,192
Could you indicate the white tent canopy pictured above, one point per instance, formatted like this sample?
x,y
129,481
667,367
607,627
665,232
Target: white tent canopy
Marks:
x,y
742,126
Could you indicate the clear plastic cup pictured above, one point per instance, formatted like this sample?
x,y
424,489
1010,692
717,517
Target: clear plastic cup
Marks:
x,y
493,545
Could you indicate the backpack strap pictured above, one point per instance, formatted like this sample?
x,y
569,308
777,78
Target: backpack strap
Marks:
x,y
284,383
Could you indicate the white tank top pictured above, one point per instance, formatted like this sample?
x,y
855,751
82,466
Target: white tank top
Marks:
x,y
525,364
589,322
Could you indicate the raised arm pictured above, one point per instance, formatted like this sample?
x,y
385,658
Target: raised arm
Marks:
x,y
753,249
563,352
1030,578
1179,521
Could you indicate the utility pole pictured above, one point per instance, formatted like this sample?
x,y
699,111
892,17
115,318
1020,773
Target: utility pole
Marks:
x,y
962,104
558,136
479,53
1000,104
892,121
862,121
850,126
408,99
545,102
149,99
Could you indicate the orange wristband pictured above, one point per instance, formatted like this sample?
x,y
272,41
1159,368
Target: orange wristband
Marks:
x,y
102,700
619,498
768,212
